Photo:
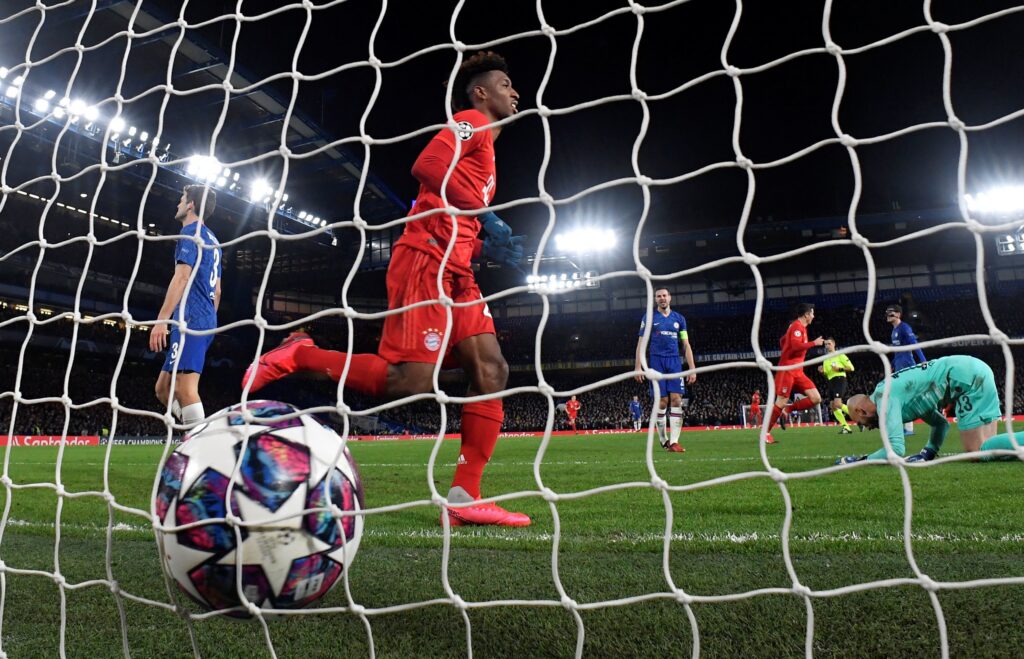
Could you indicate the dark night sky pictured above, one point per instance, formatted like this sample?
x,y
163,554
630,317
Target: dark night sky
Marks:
x,y
786,108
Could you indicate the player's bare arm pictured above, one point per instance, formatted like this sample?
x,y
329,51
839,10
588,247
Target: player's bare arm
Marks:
x,y
175,291
690,362
639,377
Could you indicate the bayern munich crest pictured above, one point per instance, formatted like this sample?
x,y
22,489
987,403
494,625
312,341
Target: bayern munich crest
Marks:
x,y
432,340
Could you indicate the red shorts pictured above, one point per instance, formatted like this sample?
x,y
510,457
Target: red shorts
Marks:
x,y
415,335
792,382
755,409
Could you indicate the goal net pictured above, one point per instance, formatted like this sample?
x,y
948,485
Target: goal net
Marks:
x,y
108,108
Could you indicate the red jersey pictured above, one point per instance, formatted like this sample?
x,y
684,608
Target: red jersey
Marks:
x,y
794,344
572,407
755,400
471,185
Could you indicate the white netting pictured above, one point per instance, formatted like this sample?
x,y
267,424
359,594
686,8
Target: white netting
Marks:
x,y
458,48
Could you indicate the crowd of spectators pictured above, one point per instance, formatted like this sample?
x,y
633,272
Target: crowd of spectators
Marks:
x,y
716,399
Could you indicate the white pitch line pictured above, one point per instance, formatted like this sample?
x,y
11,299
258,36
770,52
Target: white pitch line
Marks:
x,y
724,537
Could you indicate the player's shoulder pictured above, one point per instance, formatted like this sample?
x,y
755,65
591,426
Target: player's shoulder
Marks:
x,y
678,317
472,116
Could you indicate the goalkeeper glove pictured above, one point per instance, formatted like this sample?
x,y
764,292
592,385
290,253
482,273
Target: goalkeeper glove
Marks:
x,y
508,254
495,229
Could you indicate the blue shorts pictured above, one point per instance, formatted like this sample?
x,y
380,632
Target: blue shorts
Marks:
x,y
670,385
193,354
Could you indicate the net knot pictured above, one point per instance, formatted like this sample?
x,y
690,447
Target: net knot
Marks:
x,y
939,28
639,95
459,603
878,346
643,271
59,579
3,566
999,336
860,240
31,316
645,181
956,124
459,46
928,583
109,497
232,519
543,110
744,162
763,363
547,30
568,602
357,609
801,590
848,140
751,259
546,198
733,71
253,610
115,589
445,300
546,389
682,597
59,490
342,408
374,61
6,481
260,322
549,495
777,475
443,398
659,483
832,48
359,222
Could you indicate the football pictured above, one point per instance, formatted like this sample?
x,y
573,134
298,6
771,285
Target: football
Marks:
x,y
290,547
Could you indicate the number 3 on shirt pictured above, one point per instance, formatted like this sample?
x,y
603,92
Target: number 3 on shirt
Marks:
x,y
213,274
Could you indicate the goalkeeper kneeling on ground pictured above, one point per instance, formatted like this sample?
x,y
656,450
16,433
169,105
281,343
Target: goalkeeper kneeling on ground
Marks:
x,y
919,392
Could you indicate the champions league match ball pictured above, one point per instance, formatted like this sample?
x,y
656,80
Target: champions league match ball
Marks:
x,y
293,471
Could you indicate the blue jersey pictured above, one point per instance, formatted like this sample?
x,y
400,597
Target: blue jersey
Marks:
x,y
634,408
200,312
903,335
666,332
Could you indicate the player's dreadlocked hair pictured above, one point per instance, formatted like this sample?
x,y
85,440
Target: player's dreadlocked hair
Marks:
x,y
480,63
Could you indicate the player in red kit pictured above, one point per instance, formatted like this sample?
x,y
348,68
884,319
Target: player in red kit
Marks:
x,y
572,408
794,346
755,407
410,344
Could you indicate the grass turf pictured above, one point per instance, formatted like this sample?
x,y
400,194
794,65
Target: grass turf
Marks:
x,y
725,539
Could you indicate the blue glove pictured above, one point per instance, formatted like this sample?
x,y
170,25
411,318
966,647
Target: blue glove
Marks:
x,y
495,229
508,254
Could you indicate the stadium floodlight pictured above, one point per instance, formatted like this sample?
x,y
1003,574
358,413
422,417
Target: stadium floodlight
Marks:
x,y
221,181
302,215
235,177
999,201
92,113
132,130
77,107
586,241
17,81
284,198
117,124
3,72
260,189
58,112
42,106
49,94
11,92
144,136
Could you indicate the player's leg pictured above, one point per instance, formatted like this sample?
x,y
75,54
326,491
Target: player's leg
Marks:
x,y
675,414
478,352
837,391
977,408
662,411
783,385
163,387
186,382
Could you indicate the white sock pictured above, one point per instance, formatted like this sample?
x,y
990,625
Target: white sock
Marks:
x,y
675,420
908,426
192,413
176,409
661,427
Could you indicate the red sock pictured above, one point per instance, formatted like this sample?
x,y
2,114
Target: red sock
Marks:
x,y
776,413
368,373
481,423
802,404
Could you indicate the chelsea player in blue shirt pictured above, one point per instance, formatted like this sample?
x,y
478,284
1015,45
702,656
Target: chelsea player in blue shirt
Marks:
x,y
668,331
903,335
636,412
198,310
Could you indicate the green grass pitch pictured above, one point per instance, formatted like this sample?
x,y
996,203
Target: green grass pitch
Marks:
x,y
726,539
